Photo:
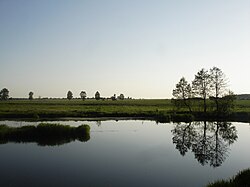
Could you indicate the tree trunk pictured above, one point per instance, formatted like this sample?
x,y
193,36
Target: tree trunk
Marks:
x,y
205,105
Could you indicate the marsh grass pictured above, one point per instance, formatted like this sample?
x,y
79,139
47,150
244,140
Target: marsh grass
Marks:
x,y
242,179
44,134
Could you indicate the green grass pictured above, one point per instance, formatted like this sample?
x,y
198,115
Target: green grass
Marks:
x,y
242,179
161,109
79,108
44,134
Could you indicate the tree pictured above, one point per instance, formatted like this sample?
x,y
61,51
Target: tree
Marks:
x,y
97,96
121,97
69,95
31,95
201,86
83,95
113,97
219,83
4,94
183,92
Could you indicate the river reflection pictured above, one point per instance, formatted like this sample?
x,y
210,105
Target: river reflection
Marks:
x,y
128,153
209,141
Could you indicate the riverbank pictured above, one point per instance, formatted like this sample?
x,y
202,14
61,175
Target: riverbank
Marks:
x,y
241,179
151,109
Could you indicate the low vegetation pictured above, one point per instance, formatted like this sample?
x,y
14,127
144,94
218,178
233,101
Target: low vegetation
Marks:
x,y
44,134
242,179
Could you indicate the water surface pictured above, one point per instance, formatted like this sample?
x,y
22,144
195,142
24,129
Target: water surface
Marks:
x,y
130,153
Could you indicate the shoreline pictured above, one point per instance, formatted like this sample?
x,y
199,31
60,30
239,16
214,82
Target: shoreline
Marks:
x,y
157,110
168,120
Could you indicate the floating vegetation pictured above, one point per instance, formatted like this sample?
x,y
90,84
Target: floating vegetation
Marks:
x,y
44,134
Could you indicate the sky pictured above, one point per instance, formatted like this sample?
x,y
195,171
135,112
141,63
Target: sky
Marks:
x,y
140,48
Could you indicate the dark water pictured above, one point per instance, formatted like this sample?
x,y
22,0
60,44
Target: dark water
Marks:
x,y
130,153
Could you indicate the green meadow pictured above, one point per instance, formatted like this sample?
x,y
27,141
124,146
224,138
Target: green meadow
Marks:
x,y
53,108
134,108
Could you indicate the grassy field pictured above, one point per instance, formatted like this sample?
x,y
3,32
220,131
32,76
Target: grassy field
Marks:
x,y
59,108
79,108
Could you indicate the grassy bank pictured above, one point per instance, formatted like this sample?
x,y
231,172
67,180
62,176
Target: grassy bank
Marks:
x,y
44,134
242,179
157,109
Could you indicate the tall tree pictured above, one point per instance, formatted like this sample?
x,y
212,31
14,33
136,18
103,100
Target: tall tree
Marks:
x,y
83,95
97,96
31,95
183,92
69,95
202,86
219,83
4,94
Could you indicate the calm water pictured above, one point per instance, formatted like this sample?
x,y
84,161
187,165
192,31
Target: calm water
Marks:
x,y
130,153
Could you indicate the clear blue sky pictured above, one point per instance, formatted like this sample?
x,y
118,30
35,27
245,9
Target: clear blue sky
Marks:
x,y
140,48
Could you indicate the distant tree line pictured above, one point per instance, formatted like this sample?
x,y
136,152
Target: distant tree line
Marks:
x,y
97,96
208,85
4,95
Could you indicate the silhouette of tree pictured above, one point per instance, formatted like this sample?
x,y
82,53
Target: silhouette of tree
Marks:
x,y
83,95
219,83
69,95
202,86
121,97
207,84
4,94
113,98
97,96
208,141
31,95
183,93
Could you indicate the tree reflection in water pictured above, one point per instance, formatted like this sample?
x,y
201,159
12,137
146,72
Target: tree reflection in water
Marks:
x,y
209,141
